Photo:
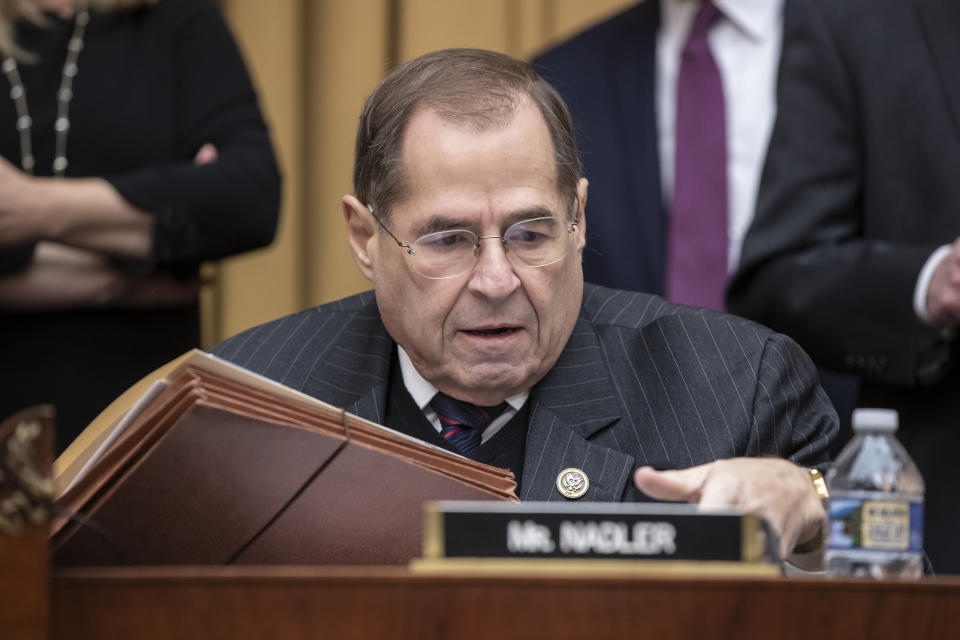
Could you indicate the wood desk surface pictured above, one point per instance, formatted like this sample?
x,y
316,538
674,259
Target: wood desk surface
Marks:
x,y
290,603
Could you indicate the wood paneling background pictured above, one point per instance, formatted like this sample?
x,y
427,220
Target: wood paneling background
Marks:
x,y
314,62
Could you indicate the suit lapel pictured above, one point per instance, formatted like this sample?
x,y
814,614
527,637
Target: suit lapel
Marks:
x,y
574,401
358,386
940,21
371,405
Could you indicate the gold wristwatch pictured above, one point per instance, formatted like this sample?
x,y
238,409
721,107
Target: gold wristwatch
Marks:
x,y
820,486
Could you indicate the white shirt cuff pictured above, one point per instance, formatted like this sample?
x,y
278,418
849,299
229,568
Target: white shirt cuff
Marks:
x,y
923,283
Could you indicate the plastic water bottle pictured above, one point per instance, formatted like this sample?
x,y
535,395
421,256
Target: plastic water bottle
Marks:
x,y
875,508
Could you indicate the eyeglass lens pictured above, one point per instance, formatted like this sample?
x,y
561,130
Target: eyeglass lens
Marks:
x,y
532,243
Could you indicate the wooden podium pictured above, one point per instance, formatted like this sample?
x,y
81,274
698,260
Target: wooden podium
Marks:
x,y
300,603
294,603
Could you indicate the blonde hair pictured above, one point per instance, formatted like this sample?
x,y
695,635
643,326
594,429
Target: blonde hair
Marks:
x,y
13,10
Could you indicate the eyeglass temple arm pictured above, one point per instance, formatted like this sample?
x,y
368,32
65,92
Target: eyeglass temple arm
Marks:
x,y
390,233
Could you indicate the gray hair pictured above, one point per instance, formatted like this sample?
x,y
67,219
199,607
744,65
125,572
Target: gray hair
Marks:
x,y
477,88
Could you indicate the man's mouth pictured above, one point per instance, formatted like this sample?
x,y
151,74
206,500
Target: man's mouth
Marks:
x,y
493,331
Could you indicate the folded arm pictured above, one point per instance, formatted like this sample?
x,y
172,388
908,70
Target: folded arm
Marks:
x,y
63,277
82,212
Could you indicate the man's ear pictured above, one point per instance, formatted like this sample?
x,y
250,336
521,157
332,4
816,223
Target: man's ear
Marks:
x,y
582,214
362,233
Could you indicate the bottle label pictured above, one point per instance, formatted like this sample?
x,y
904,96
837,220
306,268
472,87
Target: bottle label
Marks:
x,y
857,523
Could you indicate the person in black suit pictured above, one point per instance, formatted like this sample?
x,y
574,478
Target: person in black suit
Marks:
x,y
468,217
621,80
854,249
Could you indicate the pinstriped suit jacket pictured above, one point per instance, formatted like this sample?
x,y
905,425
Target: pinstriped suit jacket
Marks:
x,y
640,380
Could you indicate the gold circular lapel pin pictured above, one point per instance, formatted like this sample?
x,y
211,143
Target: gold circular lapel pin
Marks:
x,y
572,483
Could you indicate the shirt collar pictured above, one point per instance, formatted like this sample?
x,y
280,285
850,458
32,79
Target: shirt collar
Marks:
x,y
423,391
758,19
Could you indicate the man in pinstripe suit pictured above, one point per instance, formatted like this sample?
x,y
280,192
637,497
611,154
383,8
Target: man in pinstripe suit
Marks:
x,y
468,217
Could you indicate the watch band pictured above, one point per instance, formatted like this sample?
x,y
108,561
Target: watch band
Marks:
x,y
820,486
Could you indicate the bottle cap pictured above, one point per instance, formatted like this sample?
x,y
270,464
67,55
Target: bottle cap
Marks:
x,y
875,420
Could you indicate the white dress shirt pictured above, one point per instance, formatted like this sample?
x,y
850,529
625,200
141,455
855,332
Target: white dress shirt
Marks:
x,y
745,42
923,285
422,393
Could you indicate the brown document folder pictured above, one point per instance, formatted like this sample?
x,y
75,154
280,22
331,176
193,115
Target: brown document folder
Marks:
x,y
224,466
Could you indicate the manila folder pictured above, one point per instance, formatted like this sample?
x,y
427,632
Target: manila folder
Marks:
x,y
217,465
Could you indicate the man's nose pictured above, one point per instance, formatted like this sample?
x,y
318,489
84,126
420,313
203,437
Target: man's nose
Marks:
x,y
493,276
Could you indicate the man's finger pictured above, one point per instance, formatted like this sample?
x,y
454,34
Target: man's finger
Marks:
x,y
671,485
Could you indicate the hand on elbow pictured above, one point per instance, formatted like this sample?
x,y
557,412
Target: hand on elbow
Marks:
x,y
943,294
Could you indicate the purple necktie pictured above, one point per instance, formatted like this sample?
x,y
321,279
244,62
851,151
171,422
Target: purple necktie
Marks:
x,y
697,245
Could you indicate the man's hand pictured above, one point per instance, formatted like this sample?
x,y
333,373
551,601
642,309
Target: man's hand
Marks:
x,y
943,294
779,491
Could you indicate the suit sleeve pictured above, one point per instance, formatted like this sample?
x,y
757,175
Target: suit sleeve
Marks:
x,y
809,267
229,206
790,407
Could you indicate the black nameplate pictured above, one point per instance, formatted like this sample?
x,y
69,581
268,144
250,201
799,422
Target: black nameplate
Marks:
x,y
592,530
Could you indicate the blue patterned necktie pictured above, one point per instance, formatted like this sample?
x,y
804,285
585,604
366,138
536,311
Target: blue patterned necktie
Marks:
x,y
462,423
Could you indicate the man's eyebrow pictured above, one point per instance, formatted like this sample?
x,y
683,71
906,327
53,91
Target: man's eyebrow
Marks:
x,y
440,223
446,223
529,213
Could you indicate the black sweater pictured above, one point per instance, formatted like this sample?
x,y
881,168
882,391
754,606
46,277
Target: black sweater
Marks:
x,y
154,84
